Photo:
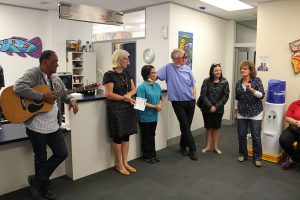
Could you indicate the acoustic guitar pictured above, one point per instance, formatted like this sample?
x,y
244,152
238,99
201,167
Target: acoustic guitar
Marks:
x,y
16,109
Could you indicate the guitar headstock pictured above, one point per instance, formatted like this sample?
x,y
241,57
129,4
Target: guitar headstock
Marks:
x,y
92,86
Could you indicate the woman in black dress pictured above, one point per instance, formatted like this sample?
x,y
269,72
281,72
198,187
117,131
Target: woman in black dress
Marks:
x,y
214,95
119,89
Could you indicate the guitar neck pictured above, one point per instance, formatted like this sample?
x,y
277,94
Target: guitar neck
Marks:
x,y
77,89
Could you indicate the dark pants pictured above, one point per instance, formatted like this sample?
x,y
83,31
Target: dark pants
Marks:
x,y
184,111
286,141
148,138
43,167
255,128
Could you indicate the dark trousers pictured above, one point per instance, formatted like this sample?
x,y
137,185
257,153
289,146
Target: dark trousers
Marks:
x,y
255,128
148,138
43,167
286,140
184,111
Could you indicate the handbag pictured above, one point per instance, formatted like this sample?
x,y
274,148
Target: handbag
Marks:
x,y
199,102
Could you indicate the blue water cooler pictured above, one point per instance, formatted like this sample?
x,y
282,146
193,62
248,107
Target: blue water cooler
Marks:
x,y
273,120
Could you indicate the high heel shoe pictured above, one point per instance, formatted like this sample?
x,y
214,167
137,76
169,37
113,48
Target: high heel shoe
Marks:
x,y
123,171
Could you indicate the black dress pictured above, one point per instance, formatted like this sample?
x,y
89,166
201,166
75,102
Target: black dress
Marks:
x,y
121,115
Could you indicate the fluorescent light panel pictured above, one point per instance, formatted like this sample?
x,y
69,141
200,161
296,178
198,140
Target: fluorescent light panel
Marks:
x,y
229,5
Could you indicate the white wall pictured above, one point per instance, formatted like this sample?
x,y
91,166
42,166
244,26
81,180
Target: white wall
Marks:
x,y
245,34
29,23
26,23
278,25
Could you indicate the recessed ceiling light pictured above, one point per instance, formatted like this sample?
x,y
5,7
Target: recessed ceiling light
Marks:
x,y
229,5
202,7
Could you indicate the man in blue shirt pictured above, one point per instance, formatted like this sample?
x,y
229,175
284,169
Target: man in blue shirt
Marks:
x,y
182,93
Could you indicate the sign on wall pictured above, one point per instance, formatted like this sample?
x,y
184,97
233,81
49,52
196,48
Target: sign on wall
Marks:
x,y
22,46
185,42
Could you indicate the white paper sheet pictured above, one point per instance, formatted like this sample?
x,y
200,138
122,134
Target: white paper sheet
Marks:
x,y
140,103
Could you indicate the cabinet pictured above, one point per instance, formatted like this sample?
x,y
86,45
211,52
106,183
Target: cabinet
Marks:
x,y
82,65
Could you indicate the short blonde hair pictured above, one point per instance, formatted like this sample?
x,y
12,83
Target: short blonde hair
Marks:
x,y
116,56
250,65
175,53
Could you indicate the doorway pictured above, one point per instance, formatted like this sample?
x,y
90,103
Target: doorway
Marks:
x,y
241,54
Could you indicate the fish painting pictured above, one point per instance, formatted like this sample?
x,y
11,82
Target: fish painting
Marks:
x,y
22,46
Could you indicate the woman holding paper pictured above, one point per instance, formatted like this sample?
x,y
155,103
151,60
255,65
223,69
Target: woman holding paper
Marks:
x,y
151,92
119,89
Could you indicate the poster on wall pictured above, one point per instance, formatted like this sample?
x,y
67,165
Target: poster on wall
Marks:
x,y
263,63
295,48
185,42
22,46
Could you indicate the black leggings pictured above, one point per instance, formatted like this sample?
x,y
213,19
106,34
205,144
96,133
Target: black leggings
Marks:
x,y
118,139
286,140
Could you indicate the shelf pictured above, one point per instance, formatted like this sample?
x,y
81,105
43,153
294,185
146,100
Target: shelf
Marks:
x,y
77,75
77,60
77,83
77,68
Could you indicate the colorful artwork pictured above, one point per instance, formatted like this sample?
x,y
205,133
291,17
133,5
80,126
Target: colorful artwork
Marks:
x,y
295,47
185,42
21,46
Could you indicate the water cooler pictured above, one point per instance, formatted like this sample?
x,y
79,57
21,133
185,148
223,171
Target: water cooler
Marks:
x,y
273,120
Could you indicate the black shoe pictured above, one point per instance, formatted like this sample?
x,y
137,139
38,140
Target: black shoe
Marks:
x,y
184,152
35,187
149,160
193,155
157,159
48,192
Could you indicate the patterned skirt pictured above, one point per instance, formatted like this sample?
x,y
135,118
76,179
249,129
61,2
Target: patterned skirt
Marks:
x,y
121,118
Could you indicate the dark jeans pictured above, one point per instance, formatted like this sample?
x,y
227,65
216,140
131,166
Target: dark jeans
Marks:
x,y
184,111
286,140
255,128
148,138
43,167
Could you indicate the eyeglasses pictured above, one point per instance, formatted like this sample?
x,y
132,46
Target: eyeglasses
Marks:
x,y
184,57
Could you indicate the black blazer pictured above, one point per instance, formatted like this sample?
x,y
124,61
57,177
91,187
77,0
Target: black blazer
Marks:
x,y
214,94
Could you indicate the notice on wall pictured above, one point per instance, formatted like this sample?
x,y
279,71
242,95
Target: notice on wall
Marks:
x,y
263,64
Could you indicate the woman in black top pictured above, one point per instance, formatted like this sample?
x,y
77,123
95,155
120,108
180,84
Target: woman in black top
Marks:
x,y
119,89
214,95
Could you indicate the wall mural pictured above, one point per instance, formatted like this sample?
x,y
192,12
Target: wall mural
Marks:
x,y
295,47
185,42
21,46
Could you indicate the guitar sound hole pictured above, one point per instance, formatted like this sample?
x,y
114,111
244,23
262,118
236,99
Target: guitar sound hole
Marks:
x,y
34,107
